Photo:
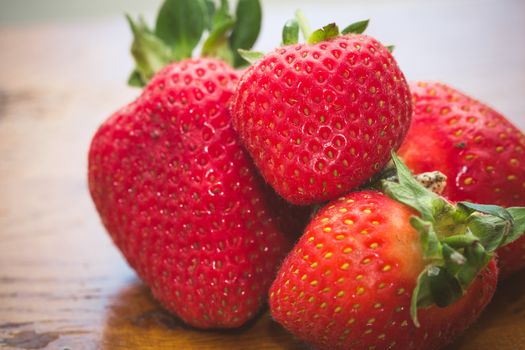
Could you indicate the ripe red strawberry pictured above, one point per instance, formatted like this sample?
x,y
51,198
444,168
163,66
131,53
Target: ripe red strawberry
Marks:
x,y
480,151
321,118
366,263
182,200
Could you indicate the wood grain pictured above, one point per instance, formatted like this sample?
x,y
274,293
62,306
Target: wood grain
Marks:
x,y
63,285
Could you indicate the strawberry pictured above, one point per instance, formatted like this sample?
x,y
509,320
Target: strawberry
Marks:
x,y
481,152
181,198
368,261
321,118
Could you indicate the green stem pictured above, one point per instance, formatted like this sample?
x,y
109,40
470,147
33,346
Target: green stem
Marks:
x,y
303,24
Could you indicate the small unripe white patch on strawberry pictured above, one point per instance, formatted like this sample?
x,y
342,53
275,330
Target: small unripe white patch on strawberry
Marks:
x,y
434,181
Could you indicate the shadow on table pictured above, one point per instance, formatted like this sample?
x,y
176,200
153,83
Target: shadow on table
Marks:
x,y
136,321
501,324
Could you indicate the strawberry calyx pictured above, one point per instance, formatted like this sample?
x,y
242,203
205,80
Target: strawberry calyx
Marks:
x,y
457,240
327,32
290,34
179,28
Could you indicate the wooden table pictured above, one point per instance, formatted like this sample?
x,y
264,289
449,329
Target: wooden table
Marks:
x,y
63,285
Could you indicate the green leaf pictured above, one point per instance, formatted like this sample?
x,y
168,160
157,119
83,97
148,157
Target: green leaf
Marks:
x,y
180,25
304,25
445,289
250,56
421,296
210,7
498,227
435,286
327,32
317,36
357,27
494,210
390,48
404,175
454,260
491,231
222,14
518,229
492,224
410,192
135,79
477,258
291,32
149,52
216,45
430,244
247,26
331,30
460,241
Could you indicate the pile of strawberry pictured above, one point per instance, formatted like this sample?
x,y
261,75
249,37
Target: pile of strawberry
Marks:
x,y
227,188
